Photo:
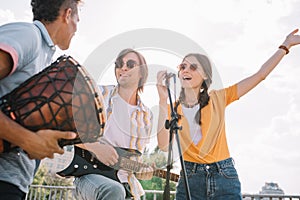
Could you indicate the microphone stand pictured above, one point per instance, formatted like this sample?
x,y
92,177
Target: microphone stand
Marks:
x,y
173,126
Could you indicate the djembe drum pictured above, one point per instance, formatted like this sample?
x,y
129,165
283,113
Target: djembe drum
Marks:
x,y
61,97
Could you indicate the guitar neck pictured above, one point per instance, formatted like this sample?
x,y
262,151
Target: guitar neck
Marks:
x,y
163,174
134,166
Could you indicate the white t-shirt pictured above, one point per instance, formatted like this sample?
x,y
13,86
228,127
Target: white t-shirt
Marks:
x,y
125,128
195,128
121,128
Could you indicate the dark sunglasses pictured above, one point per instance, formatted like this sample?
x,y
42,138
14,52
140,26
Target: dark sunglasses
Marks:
x,y
193,67
129,64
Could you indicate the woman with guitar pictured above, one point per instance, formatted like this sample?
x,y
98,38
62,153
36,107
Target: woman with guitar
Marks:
x,y
128,126
210,169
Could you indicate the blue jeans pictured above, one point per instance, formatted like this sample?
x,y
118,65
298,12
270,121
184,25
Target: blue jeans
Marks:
x,y
96,187
216,181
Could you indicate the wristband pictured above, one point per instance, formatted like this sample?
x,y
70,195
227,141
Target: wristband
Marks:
x,y
284,48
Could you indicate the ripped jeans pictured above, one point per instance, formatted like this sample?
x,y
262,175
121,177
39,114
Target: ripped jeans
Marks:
x,y
215,181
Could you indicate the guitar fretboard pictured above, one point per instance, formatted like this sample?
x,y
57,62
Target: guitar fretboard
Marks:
x,y
134,166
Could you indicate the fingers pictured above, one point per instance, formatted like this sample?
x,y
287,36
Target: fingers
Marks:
x,y
111,163
113,159
160,76
293,32
51,139
146,173
153,166
59,150
104,153
292,39
43,143
66,135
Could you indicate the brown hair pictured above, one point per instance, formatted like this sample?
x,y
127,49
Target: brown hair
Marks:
x,y
203,96
142,64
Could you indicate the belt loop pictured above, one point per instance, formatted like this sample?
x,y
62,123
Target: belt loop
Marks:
x,y
232,161
218,167
194,168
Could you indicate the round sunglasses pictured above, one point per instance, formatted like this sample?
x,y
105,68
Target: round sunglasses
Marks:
x,y
129,64
183,66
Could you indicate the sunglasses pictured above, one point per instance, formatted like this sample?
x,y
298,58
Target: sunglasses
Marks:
x,y
193,67
129,64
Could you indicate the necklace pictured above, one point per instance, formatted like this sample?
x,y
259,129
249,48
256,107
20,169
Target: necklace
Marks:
x,y
189,105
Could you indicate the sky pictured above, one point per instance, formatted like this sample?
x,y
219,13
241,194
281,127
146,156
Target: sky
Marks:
x,y
263,127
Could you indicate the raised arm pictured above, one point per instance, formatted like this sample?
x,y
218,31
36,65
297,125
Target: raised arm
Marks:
x,y
249,83
162,133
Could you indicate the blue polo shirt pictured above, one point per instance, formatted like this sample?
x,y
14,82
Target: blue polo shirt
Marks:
x,y
32,49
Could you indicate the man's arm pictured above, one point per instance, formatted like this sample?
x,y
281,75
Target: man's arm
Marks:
x,y
6,64
43,143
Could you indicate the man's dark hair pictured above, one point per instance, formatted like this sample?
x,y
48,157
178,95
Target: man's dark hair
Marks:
x,y
48,10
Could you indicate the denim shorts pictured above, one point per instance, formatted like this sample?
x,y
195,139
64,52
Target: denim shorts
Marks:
x,y
215,181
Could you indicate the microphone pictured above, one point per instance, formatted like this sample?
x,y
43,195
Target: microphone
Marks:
x,y
170,75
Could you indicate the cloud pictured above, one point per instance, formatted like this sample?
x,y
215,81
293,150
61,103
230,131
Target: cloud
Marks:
x,y
6,16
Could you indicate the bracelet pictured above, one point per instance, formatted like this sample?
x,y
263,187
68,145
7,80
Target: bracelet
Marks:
x,y
284,48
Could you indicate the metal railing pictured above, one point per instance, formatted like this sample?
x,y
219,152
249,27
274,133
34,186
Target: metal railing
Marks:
x,y
45,192
270,197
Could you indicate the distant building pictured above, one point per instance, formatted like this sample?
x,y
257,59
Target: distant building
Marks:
x,y
271,188
59,162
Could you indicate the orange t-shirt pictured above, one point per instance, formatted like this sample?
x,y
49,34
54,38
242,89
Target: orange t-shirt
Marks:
x,y
213,145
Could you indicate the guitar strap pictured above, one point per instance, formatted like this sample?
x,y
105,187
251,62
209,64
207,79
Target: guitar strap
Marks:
x,y
5,146
128,190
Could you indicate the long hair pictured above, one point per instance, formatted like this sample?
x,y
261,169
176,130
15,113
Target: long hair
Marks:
x,y
203,96
48,10
142,66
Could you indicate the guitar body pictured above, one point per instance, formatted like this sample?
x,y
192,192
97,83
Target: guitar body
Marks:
x,y
85,163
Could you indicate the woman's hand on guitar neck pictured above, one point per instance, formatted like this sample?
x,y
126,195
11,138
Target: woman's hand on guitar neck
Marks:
x,y
104,153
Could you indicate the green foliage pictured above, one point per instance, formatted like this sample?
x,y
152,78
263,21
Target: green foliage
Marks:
x,y
156,183
40,176
44,177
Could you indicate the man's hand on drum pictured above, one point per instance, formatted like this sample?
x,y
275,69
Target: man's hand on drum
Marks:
x,y
44,143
